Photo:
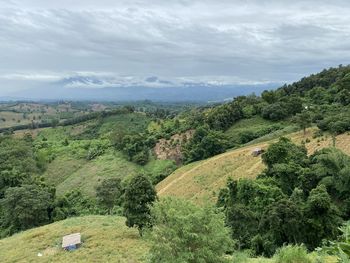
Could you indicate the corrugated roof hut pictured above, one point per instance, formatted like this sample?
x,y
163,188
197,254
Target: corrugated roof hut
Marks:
x,y
257,151
71,242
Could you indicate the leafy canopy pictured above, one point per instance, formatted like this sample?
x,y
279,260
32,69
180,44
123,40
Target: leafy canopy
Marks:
x,y
183,232
139,197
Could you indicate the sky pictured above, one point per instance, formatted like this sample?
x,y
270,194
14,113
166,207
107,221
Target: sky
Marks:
x,y
139,42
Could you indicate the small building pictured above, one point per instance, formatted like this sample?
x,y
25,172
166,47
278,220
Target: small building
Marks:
x,y
257,151
71,242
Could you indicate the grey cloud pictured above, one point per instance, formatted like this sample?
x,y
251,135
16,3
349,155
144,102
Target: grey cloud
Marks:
x,y
251,41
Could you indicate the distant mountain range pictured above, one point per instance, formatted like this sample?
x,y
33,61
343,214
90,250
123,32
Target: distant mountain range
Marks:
x,y
89,88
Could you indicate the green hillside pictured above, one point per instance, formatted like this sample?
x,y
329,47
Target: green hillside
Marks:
x,y
105,239
106,162
67,149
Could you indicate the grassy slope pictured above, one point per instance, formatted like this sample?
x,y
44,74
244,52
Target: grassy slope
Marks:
x,y
105,239
88,176
131,122
201,181
61,168
67,172
252,124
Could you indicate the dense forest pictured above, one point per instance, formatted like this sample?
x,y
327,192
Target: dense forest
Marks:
x,y
299,200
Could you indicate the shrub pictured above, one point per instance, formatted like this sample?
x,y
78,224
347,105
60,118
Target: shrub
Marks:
x,y
292,254
183,232
240,257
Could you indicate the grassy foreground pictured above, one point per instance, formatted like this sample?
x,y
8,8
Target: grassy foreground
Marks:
x,y
105,239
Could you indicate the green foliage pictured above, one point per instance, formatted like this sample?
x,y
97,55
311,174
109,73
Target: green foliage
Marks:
x,y
322,215
283,221
303,119
204,143
183,232
243,222
250,135
319,95
222,117
284,152
246,130
341,247
336,122
109,193
138,199
292,254
129,123
96,148
296,200
25,207
17,162
135,147
275,112
158,170
240,257
73,203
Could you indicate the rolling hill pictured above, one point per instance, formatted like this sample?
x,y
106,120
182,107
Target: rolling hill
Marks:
x,y
105,239
201,181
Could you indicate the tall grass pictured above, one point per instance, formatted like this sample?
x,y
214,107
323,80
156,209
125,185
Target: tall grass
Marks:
x,y
292,254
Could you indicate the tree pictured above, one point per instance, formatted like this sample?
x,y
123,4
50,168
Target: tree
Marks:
x,y
54,122
284,222
134,146
284,151
25,207
73,203
17,162
322,217
204,143
303,119
276,111
109,193
269,96
139,197
183,232
243,223
287,174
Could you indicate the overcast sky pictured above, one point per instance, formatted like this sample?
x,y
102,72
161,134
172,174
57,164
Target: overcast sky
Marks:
x,y
223,42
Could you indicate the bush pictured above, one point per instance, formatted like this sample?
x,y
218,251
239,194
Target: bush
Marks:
x,y
183,232
292,254
240,256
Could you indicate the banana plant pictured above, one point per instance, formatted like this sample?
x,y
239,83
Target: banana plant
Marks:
x,y
340,248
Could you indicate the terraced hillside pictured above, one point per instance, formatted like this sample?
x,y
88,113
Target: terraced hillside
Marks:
x,y
201,181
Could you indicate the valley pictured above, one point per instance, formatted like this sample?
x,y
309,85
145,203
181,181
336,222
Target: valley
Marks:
x,y
133,178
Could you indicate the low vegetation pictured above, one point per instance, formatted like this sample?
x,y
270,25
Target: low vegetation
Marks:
x,y
105,239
